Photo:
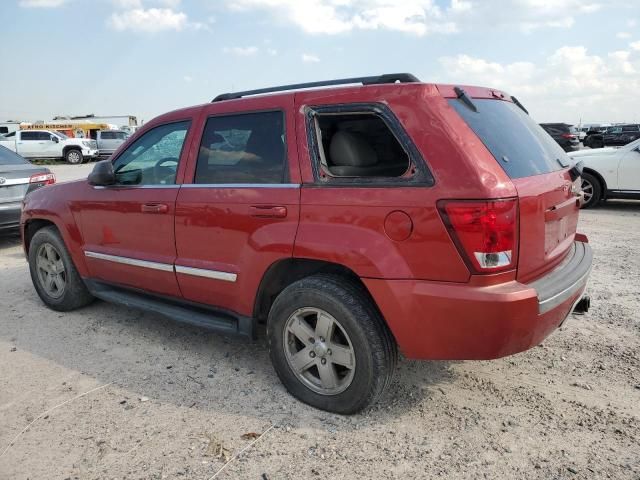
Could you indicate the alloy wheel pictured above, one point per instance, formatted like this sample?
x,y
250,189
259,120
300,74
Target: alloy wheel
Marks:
x,y
51,272
319,351
587,191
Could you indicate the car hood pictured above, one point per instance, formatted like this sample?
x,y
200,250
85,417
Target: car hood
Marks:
x,y
594,152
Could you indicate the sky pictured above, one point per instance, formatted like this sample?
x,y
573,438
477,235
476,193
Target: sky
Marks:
x,y
565,60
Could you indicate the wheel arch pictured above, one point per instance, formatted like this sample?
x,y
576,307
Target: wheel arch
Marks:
x,y
600,178
31,226
283,273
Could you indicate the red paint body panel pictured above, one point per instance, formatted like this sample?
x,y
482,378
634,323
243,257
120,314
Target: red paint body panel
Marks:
x,y
434,306
432,320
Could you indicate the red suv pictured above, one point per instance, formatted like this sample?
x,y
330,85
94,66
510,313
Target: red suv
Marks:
x,y
355,221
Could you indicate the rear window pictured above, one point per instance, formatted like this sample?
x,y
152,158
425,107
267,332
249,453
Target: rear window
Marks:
x,y
7,157
519,144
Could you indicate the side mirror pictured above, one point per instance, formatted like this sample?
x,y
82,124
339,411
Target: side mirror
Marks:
x,y
55,139
102,174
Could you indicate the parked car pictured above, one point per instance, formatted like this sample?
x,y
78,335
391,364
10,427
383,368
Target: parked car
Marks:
x,y
50,144
352,223
612,136
109,140
18,177
610,173
565,135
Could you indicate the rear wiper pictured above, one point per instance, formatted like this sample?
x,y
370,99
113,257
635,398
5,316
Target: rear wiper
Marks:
x,y
517,102
466,99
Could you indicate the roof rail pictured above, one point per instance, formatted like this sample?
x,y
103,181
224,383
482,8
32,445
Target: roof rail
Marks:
x,y
378,79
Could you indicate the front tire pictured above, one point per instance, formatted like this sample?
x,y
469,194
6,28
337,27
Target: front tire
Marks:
x,y
53,273
592,190
329,345
74,156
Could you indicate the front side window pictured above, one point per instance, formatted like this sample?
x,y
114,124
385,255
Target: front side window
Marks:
x,y
153,158
243,148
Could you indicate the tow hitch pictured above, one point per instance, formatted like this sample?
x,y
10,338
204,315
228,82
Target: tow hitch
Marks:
x,y
583,305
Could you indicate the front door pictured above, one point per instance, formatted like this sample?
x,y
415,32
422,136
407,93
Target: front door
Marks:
x,y
629,170
240,212
128,227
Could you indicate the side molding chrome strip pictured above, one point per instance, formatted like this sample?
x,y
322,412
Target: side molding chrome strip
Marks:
x,y
200,272
164,267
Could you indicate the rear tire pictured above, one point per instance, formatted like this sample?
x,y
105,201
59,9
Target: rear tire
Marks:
x,y
344,370
592,190
74,156
53,273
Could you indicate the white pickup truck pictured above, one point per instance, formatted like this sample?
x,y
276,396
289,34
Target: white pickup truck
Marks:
x,y
50,144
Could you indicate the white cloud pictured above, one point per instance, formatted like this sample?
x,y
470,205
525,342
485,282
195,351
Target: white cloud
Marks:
x,y
42,3
272,52
635,45
241,51
310,58
338,16
149,20
567,85
632,23
188,78
623,35
420,17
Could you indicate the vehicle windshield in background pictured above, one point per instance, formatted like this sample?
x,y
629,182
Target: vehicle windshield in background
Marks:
x,y
7,157
61,135
520,145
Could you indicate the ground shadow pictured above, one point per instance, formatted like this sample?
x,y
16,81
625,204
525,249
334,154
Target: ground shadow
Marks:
x,y
181,364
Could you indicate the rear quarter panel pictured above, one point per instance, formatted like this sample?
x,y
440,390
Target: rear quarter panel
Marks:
x,y
346,225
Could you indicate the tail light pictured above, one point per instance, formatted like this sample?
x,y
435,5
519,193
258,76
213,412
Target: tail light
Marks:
x,y
570,136
485,232
43,178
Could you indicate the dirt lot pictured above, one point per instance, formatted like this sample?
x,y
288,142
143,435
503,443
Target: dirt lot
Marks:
x,y
176,401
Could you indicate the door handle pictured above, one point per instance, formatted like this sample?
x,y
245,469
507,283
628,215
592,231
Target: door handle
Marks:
x,y
155,208
268,211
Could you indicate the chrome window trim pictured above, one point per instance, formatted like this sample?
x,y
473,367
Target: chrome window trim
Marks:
x,y
241,185
164,267
201,272
115,186
17,181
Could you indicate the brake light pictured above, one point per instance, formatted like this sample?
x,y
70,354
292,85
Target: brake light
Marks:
x,y
568,135
44,178
485,232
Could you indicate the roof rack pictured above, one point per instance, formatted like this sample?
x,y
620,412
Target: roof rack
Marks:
x,y
378,79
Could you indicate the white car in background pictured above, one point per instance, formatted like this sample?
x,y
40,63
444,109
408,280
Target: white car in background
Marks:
x,y
610,173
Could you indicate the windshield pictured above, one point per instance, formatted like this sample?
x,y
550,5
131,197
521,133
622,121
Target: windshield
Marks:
x,y
7,157
520,145
60,134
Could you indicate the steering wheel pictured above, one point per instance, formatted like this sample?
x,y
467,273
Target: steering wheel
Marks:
x,y
165,173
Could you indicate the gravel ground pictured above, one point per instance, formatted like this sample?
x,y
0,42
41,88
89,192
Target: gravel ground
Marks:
x,y
172,401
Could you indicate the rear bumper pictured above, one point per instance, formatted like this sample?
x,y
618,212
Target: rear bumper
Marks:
x,y
10,215
435,320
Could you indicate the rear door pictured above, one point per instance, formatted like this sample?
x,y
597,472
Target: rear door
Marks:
x,y
28,144
538,167
238,212
629,169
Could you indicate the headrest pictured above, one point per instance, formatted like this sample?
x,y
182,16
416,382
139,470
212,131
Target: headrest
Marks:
x,y
211,138
351,149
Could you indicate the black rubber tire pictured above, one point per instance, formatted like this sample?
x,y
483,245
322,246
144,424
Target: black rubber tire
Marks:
x,y
73,161
374,347
76,294
594,201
